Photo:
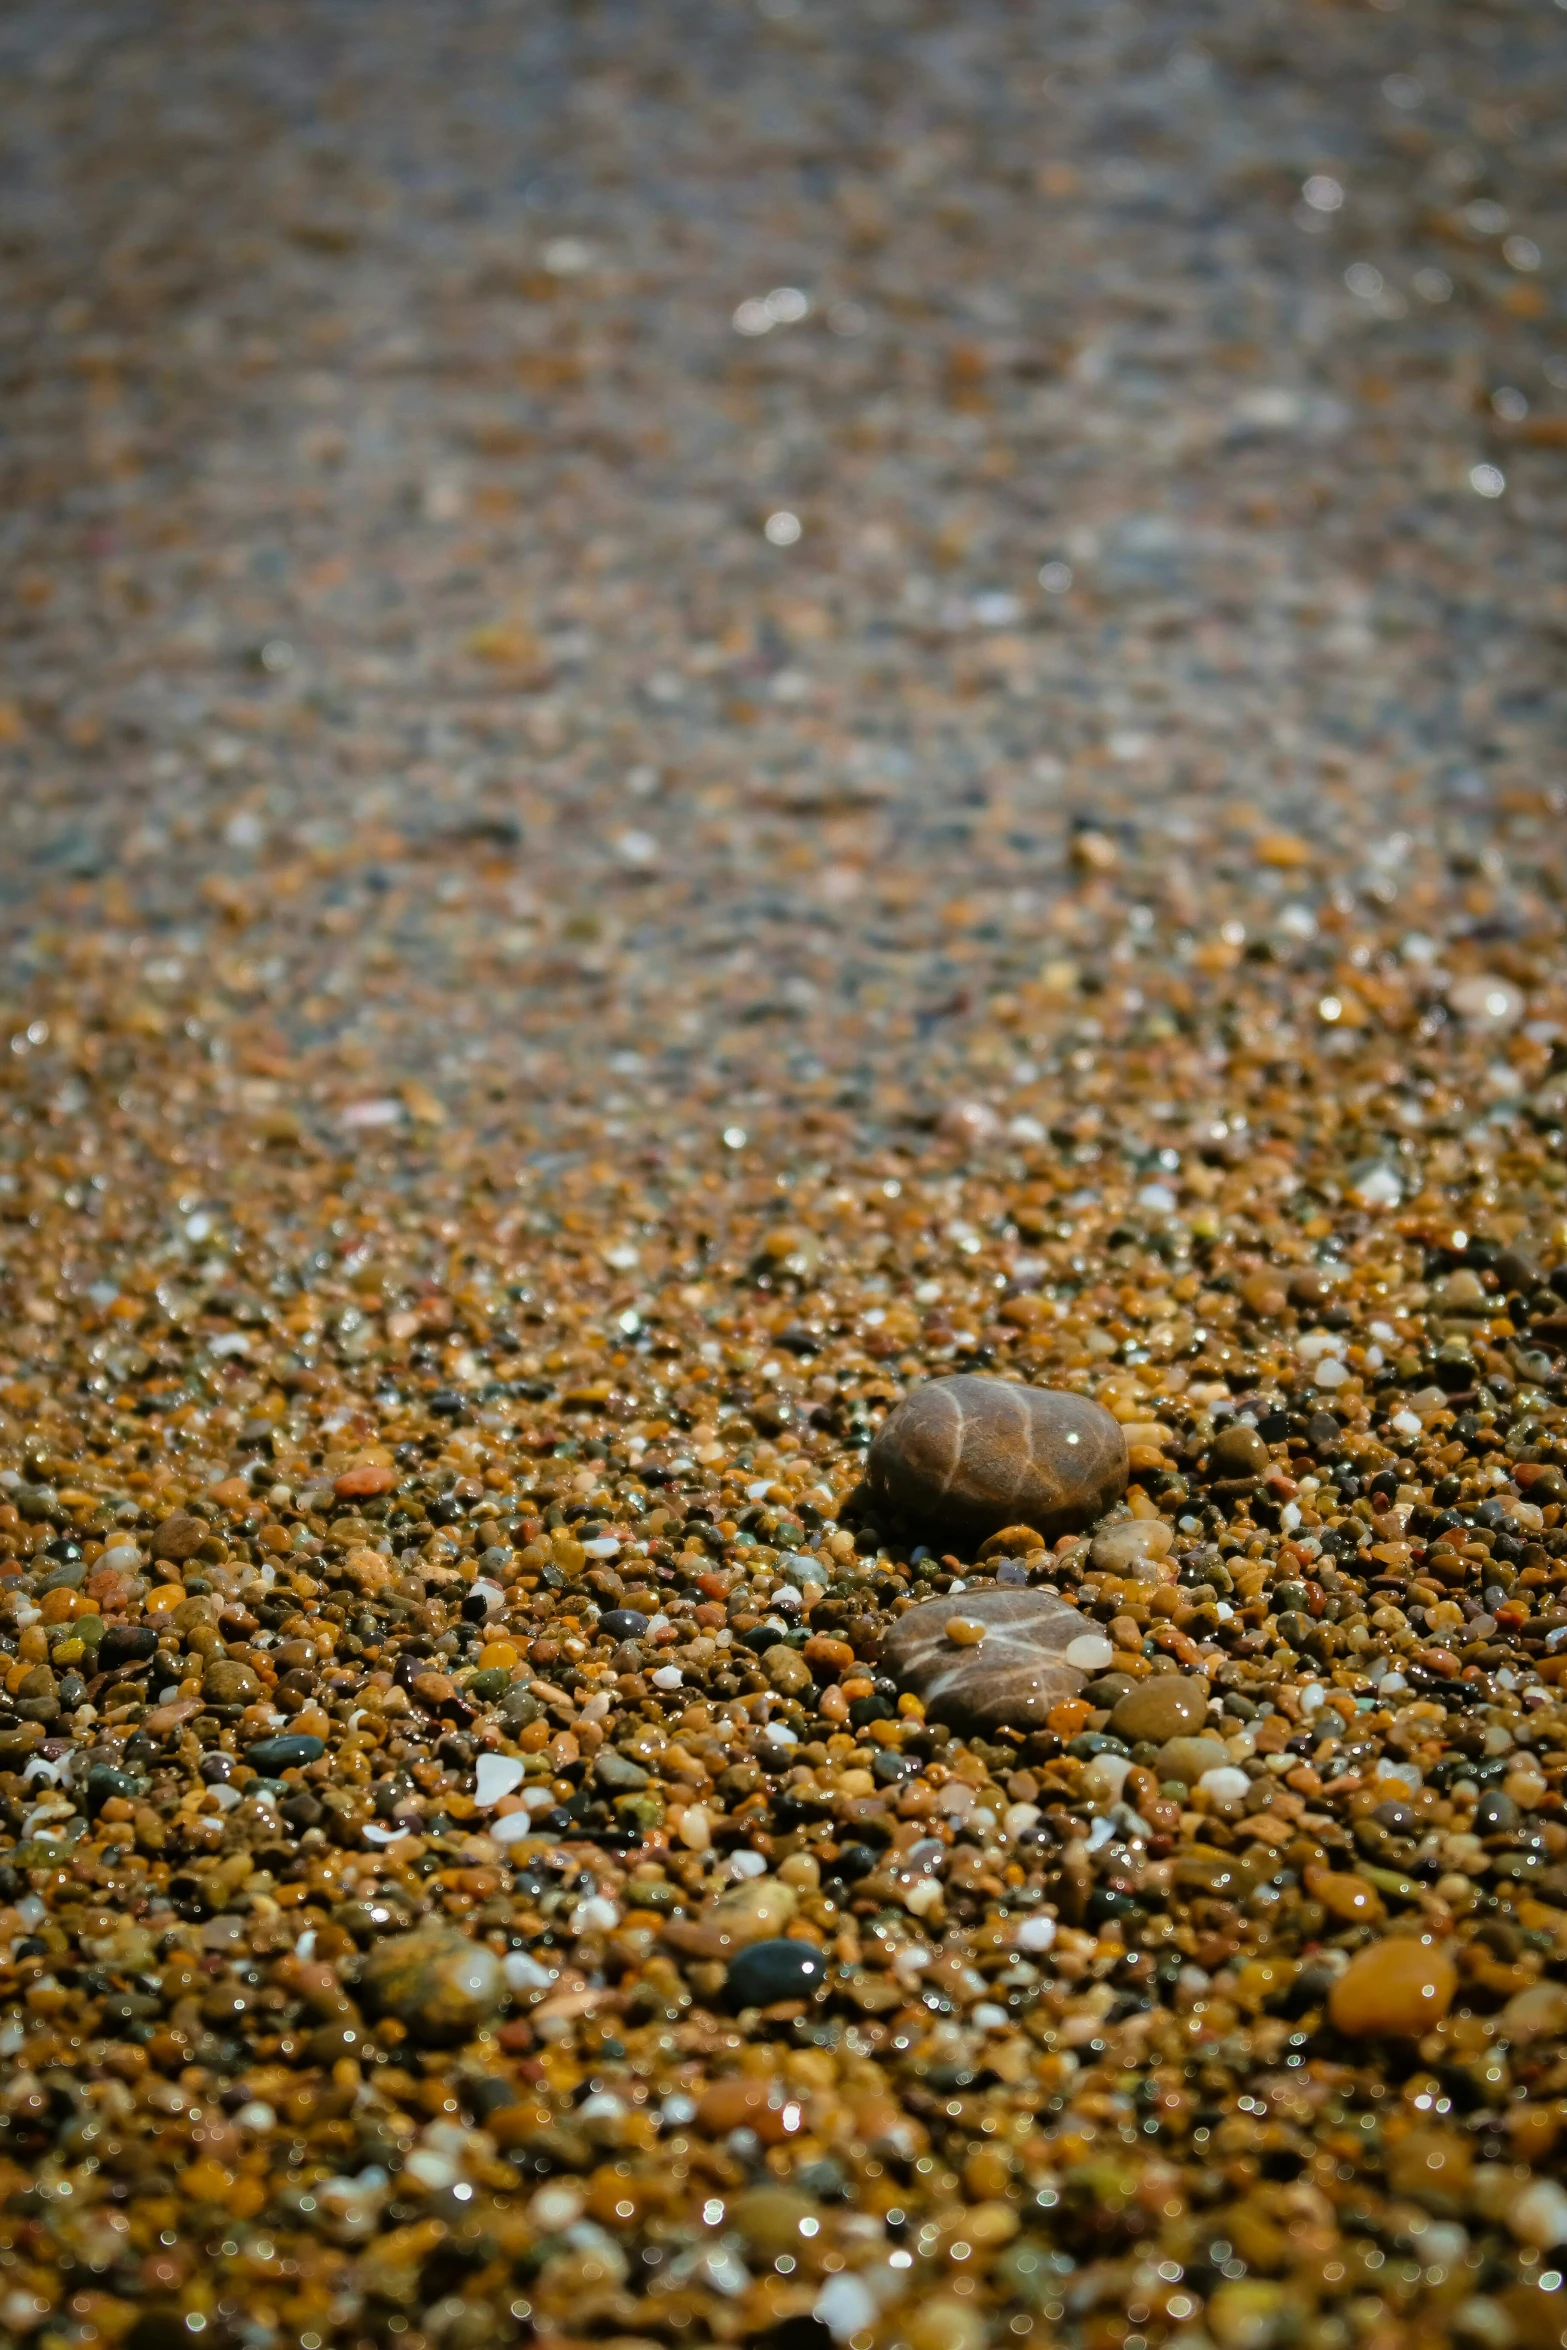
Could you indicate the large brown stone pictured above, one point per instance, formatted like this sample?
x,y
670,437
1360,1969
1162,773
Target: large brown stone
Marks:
x,y
1023,1665
963,1457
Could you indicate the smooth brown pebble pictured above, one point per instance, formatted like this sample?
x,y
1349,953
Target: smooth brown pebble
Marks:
x,y
969,1455
1167,1706
1394,1989
1238,1451
1536,2014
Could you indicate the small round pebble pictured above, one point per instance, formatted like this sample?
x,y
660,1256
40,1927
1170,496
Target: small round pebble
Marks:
x,y
1238,1451
967,1455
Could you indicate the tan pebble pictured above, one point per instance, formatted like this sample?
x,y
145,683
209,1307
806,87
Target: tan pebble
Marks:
x,y
695,1827
1433,2167
786,1670
1164,1707
1186,1759
964,1631
774,2220
1393,1989
1540,2013
1123,1549
437,1982
944,2324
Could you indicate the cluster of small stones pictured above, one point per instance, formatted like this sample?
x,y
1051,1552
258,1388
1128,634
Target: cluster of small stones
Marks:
x,y
479,1856
708,714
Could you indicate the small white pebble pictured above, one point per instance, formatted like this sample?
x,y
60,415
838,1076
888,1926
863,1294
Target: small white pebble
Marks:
x,y
497,1775
1035,1934
1226,1783
555,2208
1090,1652
524,1973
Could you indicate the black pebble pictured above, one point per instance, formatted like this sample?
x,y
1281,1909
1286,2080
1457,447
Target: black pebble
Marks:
x,y
624,1623
775,1970
126,1644
103,1781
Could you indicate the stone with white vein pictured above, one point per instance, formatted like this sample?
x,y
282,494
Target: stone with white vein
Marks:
x,y
1028,1661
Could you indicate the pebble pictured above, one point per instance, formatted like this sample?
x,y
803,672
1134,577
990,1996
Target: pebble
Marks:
x,y
966,1455
767,1972
1163,1708
1393,1989
1019,1670
496,1775
289,1752
1186,1759
436,1982
1239,1451
1132,1547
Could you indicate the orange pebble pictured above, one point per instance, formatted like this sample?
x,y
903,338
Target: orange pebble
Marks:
x,y
1393,1989
1348,1898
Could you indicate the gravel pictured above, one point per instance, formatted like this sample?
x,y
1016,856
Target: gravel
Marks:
x,y
704,715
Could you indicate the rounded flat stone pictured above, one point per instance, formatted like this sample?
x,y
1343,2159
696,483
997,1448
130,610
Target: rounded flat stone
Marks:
x,y
966,1456
1021,1668
1166,1706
